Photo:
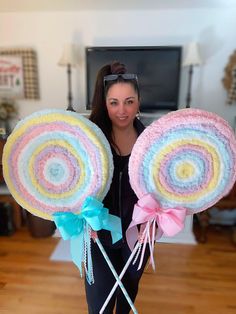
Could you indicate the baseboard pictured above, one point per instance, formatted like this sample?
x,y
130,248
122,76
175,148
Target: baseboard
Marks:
x,y
181,238
186,236
61,252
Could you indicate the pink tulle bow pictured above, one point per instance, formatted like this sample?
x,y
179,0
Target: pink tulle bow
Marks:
x,y
150,215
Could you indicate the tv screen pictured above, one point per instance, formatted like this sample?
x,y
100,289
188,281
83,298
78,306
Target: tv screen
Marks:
x,y
158,70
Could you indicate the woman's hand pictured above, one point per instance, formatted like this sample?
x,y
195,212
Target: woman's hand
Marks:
x,y
94,235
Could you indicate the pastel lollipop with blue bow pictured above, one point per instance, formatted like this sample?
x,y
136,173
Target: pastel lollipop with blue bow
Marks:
x,y
58,165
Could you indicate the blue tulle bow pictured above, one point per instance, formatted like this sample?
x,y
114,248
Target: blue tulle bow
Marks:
x,y
76,227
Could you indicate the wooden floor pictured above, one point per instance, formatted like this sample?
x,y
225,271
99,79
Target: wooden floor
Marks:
x,y
190,279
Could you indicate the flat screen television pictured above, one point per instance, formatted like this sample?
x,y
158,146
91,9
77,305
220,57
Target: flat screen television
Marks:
x,y
158,70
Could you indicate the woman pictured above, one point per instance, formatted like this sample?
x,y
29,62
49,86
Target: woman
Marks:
x,y
115,106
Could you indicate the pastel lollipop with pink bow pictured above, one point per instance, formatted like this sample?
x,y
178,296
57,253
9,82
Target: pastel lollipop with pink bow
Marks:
x,y
181,164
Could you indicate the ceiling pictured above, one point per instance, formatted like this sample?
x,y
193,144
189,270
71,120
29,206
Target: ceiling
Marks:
x,y
80,5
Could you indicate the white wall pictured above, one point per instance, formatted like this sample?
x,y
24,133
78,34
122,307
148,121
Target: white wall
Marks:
x,y
47,32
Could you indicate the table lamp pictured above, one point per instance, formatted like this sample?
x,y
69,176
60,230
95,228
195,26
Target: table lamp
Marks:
x,y
191,59
69,59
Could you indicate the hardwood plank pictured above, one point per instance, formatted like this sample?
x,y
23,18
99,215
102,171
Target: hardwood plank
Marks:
x,y
190,279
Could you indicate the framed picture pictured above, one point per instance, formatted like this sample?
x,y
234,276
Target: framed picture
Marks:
x,y
19,73
11,76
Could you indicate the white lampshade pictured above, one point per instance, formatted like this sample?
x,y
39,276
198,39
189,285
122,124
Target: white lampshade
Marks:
x,y
69,55
192,56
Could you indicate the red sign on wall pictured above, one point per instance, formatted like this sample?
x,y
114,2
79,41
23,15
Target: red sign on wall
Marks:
x,y
11,77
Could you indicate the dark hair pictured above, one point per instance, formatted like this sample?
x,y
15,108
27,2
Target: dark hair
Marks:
x,y
99,114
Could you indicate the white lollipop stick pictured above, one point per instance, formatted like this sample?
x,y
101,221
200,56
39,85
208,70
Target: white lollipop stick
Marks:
x,y
120,277
116,276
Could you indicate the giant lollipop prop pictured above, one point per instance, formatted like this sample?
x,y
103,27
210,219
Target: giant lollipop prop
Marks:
x,y
183,163
58,166
189,164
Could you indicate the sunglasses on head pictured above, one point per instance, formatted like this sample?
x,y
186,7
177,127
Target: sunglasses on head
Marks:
x,y
115,77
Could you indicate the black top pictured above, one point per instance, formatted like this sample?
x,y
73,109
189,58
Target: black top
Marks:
x,y
120,199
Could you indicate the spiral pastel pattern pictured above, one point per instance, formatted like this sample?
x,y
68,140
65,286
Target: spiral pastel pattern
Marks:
x,y
186,158
54,159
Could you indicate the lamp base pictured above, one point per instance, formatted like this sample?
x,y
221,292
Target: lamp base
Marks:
x,y
188,98
70,108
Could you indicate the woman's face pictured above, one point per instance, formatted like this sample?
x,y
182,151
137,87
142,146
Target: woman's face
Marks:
x,y
122,104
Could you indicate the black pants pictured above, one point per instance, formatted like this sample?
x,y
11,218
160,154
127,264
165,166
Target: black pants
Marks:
x,y
104,280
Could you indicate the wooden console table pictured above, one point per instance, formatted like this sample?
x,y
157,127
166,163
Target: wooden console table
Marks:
x,y
5,195
226,203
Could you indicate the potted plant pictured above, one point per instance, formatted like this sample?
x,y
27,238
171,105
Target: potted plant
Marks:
x,y
8,111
